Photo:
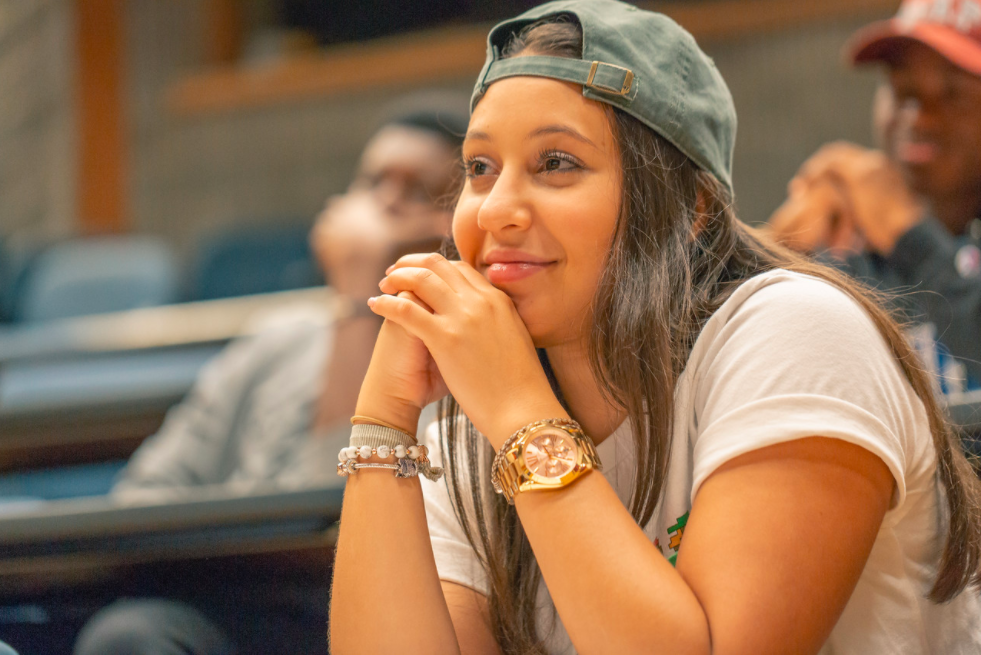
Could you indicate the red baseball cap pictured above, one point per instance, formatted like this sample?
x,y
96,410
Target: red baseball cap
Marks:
x,y
951,27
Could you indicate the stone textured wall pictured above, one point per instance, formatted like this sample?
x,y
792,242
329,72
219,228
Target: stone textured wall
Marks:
x,y
793,92
191,176
37,147
195,175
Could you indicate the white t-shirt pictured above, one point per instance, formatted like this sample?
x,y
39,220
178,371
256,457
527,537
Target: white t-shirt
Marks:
x,y
787,357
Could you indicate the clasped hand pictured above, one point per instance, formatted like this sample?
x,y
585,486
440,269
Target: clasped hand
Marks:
x,y
448,328
846,198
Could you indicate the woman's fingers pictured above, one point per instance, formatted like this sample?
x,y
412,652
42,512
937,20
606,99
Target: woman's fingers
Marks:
x,y
424,284
408,295
436,263
472,276
443,266
404,311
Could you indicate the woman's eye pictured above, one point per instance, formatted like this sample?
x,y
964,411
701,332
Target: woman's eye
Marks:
x,y
475,167
558,163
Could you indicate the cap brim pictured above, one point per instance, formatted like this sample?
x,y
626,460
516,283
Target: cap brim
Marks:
x,y
881,41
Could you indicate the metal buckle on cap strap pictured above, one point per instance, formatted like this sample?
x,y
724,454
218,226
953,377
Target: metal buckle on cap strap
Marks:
x,y
628,78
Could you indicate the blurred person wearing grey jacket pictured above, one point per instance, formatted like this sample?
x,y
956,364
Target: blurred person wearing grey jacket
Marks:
x,y
250,416
274,406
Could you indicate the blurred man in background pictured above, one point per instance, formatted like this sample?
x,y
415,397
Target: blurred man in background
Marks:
x,y
275,407
908,217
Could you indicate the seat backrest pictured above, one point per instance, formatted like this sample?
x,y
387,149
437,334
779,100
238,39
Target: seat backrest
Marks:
x,y
95,275
15,262
94,479
255,260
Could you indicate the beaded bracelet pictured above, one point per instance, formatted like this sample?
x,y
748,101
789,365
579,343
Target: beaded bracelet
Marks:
x,y
410,461
414,451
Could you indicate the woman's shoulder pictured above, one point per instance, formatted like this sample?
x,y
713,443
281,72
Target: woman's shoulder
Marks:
x,y
791,355
781,306
787,334
784,295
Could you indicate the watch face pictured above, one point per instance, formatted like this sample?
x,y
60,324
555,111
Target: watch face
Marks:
x,y
550,454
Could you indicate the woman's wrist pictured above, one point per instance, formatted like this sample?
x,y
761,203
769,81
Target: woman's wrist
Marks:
x,y
388,409
507,423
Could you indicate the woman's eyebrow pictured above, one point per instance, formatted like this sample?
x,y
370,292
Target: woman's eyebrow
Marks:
x,y
562,129
476,135
546,130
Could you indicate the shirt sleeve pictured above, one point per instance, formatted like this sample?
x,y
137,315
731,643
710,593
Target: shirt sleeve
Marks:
x,y
456,560
213,437
190,448
796,359
198,442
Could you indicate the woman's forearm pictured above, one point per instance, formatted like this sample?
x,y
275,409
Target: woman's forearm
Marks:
x,y
612,588
386,594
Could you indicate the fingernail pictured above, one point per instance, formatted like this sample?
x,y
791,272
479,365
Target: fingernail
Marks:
x,y
371,301
389,269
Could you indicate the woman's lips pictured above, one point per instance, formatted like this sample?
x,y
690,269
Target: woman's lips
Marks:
x,y
504,272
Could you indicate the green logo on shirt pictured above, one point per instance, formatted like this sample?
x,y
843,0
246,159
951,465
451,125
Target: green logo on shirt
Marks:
x,y
676,532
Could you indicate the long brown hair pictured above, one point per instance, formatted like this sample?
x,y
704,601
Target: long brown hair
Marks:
x,y
657,290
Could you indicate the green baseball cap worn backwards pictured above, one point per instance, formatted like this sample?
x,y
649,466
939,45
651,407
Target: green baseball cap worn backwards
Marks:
x,y
639,61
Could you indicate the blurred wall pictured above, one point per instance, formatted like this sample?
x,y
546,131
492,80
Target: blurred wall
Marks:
x,y
37,145
792,93
192,175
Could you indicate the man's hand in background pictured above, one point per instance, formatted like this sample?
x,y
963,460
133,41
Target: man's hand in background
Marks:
x,y
844,197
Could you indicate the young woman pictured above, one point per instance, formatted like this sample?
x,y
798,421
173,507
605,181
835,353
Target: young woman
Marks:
x,y
765,470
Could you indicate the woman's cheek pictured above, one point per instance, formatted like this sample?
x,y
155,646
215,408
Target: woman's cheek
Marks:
x,y
466,235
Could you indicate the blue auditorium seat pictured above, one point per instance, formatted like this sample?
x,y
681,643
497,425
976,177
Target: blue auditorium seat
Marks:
x,y
15,262
58,483
255,260
95,275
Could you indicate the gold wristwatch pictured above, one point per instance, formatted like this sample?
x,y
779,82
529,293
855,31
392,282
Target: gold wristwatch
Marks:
x,y
546,454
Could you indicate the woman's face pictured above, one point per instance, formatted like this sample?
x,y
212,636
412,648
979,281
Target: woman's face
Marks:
x,y
540,202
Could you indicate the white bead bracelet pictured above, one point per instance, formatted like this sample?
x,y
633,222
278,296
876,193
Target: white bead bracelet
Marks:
x,y
414,461
364,452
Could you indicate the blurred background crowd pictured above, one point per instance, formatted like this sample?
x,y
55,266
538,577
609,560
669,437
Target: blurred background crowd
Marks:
x,y
196,197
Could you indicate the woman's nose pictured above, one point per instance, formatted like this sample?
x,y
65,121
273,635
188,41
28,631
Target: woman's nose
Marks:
x,y
505,208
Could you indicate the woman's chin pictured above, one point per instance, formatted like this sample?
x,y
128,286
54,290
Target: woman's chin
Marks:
x,y
536,329
546,328
543,335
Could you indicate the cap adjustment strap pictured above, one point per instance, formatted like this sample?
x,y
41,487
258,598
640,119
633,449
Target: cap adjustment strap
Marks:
x,y
596,75
625,74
